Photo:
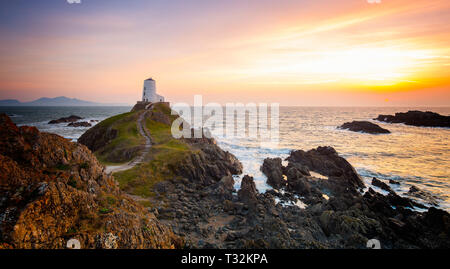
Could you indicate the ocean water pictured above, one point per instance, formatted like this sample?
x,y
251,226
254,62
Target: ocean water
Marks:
x,y
40,116
417,156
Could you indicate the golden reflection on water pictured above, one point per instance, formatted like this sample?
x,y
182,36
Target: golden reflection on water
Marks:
x,y
411,155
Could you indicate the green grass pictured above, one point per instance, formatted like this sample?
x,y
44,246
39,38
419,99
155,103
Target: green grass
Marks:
x,y
104,210
141,179
159,132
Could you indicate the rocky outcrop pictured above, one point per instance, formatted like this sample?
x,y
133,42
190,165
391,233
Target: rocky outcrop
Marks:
x,y
53,190
248,193
208,163
79,124
380,184
394,182
417,118
140,106
272,168
71,118
364,126
326,161
99,137
423,195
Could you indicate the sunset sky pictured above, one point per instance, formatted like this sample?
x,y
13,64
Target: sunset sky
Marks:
x,y
295,52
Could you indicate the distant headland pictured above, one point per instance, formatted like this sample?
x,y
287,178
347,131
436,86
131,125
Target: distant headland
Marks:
x,y
57,101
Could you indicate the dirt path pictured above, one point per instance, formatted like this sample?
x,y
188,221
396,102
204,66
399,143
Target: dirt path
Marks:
x,y
139,159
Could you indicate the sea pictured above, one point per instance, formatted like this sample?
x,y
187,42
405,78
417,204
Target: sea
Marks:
x,y
418,156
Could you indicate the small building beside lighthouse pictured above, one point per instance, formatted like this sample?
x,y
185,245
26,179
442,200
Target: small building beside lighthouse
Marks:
x,y
149,92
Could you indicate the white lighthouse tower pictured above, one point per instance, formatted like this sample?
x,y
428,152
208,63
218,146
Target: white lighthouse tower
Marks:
x,y
149,93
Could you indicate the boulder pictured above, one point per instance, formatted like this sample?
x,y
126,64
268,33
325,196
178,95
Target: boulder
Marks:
x,y
326,161
394,182
224,188
364,126
298,184
247,193
71,118
272,168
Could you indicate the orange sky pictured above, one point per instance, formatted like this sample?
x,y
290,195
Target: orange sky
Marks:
x,y
318,52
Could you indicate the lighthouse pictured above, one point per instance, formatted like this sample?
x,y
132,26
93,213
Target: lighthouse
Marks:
x,y
149,93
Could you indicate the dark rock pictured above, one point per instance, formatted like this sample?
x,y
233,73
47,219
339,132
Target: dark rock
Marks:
x,y
396,200
299,167
297,182
248,192
423,195
227,183
326,161
391,181
417,118
224,188
208,165
272,168
380,184
98,137
79,124
364,126
299,186
71,118
438,219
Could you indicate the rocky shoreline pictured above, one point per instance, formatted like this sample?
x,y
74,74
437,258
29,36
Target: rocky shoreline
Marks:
x,y
302,211
318,199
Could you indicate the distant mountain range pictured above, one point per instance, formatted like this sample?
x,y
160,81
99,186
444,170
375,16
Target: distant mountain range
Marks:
x,y
57,101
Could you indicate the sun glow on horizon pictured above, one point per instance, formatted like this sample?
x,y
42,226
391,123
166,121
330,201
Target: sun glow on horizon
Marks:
x,y
372,67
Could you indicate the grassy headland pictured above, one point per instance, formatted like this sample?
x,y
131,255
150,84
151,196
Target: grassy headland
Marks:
x,y
167,159
117,140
